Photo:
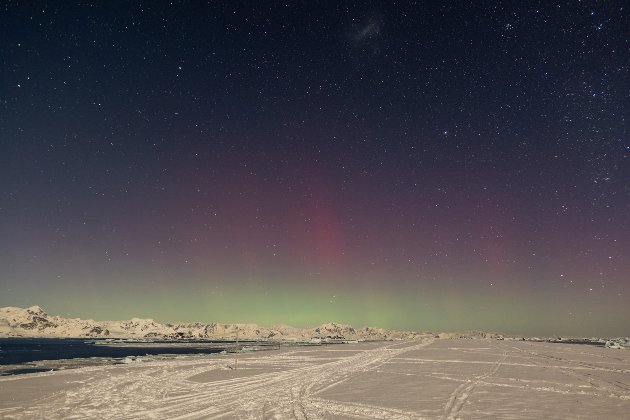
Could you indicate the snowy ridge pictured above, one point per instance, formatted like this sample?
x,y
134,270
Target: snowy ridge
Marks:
x,y
35,322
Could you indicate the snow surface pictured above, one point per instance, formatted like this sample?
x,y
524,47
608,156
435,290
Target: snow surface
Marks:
x,y
430,378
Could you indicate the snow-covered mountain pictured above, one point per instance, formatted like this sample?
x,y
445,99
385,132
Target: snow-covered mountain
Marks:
x,y
34,322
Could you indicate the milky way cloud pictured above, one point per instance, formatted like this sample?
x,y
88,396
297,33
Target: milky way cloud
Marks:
x,y
370,30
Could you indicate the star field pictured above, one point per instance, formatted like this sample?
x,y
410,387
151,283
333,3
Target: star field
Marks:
x,y
401,164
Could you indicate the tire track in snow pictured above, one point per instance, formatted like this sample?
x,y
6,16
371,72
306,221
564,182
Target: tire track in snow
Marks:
x,y
460,395
613,387
291,394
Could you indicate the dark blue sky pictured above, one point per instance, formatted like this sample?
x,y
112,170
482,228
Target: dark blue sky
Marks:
x,y
454,152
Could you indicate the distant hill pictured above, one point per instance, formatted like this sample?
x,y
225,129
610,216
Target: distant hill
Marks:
x,y
34,322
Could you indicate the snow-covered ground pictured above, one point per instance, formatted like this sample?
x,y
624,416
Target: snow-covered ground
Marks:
x,y
441,378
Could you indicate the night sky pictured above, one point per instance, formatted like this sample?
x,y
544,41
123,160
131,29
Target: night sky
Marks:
x,y
412,165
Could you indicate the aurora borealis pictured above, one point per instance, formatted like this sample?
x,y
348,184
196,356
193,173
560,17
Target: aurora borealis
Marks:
x,y
411,165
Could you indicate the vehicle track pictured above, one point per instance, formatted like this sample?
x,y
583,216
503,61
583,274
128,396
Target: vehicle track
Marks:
x,y
292,394
460,395
588,373
158,390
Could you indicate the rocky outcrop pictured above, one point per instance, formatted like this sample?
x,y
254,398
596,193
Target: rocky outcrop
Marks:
x,y
618,343
334,331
